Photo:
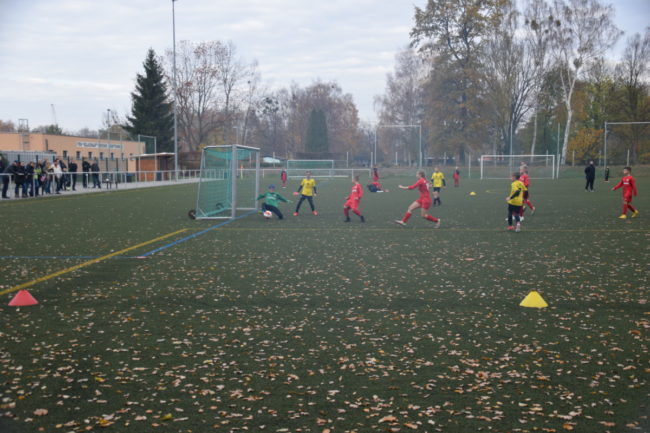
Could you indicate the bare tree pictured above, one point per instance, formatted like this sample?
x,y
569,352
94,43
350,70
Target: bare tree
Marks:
x,y
538,27
402,103
632,73
251,99
583,31
510,76
196,90
234,78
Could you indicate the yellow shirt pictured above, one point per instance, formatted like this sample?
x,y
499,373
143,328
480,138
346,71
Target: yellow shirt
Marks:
x,y
437,179
308,186
517,185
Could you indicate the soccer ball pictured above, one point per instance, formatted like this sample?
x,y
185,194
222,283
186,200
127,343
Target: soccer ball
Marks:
x,y
267,214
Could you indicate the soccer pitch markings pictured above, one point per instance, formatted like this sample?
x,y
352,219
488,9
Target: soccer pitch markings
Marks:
x,y
88,263
117,253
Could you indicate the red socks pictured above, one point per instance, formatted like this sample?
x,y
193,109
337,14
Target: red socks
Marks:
x,y
356,212
407,215
432,219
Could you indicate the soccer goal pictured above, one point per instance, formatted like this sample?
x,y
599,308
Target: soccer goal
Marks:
x,y
502,166
228,181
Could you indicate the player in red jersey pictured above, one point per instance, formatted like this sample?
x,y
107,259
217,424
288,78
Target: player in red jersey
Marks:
x,y
424,202
352,201
283,178
629,190
525,179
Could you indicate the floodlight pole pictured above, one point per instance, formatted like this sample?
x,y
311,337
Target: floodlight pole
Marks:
x,y
400,126
175,94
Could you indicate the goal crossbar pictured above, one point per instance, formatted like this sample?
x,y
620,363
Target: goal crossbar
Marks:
x,y
502,166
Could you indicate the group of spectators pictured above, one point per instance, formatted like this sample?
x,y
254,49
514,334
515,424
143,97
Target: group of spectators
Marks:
x,y
42,177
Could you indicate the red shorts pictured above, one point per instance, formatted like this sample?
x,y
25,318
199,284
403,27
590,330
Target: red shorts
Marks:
x,y
352,204
424,203
627,198
526,195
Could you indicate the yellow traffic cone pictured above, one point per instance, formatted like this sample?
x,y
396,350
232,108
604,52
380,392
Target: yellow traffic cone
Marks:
x,y
534,300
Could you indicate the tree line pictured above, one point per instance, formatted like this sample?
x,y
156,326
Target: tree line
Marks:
x,y
487,77
479,77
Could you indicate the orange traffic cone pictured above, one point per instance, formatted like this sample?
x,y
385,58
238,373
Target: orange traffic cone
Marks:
x,y
23,299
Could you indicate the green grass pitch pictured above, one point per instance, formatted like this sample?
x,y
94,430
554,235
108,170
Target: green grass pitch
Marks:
x,y
315,325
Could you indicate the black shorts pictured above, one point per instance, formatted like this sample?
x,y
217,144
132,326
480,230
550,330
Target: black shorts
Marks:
x,y
436,189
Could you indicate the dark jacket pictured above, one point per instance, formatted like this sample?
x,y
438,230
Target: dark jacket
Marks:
x,y
590,172
94,168
19,175
85,166
73,167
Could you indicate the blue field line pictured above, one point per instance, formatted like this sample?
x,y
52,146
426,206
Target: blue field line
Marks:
x,y
192,236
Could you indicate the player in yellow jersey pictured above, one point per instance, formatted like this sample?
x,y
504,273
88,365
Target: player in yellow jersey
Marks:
x,y
307,191
438,181
515,201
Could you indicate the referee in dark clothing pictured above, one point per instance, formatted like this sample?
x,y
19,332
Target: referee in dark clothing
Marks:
x,y
590,175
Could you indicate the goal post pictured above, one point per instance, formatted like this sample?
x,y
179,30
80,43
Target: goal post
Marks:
x,y
229,181
502,166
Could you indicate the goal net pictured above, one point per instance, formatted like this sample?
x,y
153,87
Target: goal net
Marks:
x,y
228,181
502,166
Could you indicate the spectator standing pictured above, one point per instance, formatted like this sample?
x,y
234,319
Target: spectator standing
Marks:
x,y
65,179
6,178
590,175
19,180
58,175
95,169
49,176
38,176
85,168
29,179
72,169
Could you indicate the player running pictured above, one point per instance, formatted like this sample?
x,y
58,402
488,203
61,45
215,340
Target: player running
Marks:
x,y
525,179
424,202
307,190
438,180
515,201
352,201
629,190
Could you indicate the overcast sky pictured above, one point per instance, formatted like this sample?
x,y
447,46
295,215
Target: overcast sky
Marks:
x,y
82,56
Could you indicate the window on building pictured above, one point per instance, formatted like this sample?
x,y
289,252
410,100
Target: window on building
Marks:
x,y
112,156
101,156
90,155
65,154
122,156
78,154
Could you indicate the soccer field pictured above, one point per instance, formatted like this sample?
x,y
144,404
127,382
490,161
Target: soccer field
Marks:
x,y
311,324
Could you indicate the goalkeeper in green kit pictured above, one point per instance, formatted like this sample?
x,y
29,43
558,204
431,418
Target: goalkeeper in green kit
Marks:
x,y
271,199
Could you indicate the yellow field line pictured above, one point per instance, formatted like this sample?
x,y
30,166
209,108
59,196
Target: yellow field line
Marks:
x,y
89,262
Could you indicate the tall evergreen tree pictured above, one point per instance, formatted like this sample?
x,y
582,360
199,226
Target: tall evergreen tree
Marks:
x,y
151,110
317,140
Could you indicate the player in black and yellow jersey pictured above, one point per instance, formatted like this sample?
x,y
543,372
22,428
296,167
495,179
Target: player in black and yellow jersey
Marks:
x,y
307,192
438,181
515,201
